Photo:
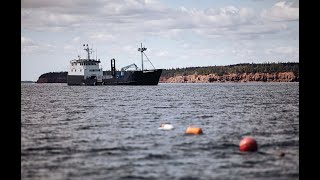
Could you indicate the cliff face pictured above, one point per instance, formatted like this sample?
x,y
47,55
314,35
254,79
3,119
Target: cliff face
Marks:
x,y
245,77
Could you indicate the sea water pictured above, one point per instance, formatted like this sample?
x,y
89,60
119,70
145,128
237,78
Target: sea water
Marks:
x,y
111,132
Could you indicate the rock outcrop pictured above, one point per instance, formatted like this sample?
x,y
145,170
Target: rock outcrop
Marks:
x,y
245,77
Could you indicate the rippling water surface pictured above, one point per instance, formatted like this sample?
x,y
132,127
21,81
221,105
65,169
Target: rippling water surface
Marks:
x,y
111,132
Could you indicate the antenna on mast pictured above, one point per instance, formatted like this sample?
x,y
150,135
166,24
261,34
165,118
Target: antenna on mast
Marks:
x,y
88,50
141,50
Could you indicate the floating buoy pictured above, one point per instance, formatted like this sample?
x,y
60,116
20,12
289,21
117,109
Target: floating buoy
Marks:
x,y
194,130
248,144
166,127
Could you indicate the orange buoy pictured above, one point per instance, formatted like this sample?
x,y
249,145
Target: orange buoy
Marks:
x,y
248,144
194,130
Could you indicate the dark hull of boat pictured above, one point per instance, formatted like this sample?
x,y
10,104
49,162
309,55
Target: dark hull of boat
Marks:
x,y
148,77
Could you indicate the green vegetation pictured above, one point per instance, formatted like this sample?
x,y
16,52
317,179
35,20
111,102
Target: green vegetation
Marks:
x,y
54,75
236,68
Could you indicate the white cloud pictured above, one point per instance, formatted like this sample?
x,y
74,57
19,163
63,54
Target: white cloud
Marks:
x,y
39,15
68,48
29,46
185,45
162,54
283,50
246,31
282,11
76,39
40,4
242,53
96,37
152,17
42,19
27,41
261,28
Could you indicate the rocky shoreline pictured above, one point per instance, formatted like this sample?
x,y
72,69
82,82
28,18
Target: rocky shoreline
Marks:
x,y
235,77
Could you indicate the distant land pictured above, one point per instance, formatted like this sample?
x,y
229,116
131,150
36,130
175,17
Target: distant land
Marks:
x,y
27,82
53,77
245,72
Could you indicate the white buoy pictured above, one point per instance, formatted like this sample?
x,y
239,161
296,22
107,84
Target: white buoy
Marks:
x,y
166,127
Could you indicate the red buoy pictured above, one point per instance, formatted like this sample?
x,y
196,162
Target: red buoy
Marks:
x,y
248,144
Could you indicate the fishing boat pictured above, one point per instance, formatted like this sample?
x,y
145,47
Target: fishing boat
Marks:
x,y
88,72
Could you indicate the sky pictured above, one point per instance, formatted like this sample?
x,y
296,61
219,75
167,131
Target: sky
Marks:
x,y
177,34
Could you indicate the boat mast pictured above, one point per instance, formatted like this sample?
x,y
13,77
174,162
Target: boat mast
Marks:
x,y
88,51
141,50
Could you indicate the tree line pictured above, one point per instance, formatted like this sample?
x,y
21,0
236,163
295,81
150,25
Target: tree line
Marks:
x,y
62,74
235,68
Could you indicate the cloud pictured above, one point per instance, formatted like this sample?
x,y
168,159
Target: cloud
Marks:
x,y
283,50
242,52
162,53
118,17
43,20
261,28
243,32
125,21
227,22
183,18
40,4
72,6
27,42
282,11
76,39
29,46
52,15
283,53
102,37
295,3
70,49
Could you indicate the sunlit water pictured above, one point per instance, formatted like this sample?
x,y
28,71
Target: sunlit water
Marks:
x,y
111,132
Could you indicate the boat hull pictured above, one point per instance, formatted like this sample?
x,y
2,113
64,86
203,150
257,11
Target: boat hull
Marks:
x,y
149,77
